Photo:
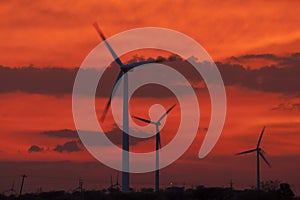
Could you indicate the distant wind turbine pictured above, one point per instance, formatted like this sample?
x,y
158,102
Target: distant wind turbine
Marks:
x,y
157,143
80,188
12,190
259,153
114,187
124,68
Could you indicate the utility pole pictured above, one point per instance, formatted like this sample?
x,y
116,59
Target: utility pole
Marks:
x,y
80,188
80,185
231,184
23,178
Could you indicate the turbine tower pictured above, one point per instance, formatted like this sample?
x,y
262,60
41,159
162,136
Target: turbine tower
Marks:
x,y
124,68
22,184
259,153
157,143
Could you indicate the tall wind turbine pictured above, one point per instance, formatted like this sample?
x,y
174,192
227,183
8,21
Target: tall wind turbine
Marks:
x,y
259,153
124,68
157,143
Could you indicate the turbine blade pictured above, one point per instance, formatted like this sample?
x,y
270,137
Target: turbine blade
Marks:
x,y
116,85
113,53
169,110
260,137
144,120
264,158
245,152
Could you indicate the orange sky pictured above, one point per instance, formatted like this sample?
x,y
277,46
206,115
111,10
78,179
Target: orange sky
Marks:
x,y
47,34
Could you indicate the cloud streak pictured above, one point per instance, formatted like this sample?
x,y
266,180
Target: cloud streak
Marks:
x,y
64,133
114,135
69,147
35,148
287,106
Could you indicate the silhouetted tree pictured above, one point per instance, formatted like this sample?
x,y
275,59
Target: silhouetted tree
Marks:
x,y
285,191
270,186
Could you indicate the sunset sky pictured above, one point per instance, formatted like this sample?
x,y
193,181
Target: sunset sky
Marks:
x,y
256,47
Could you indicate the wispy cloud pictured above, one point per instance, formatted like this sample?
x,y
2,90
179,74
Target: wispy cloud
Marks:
x,y
114,135
69,147
287,106
64,133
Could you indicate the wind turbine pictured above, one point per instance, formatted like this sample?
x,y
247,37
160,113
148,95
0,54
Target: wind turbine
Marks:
x,y
259,153
114,187
117,185
124,68
12,190
157,143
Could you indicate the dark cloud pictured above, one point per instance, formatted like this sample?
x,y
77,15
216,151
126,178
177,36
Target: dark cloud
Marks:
x,y
71,146
281,61
267,79
287,106
50,81
64,133
35,148
255,56
171,58
280,77
58,81
114,135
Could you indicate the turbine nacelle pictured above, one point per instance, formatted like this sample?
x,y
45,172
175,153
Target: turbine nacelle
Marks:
x,y
258,149
157,123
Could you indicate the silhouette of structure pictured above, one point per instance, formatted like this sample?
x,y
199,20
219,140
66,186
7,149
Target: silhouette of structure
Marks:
x,y
124,68
117,185
22,184
80,186
157,143
80,189
284,192
10,191
231,184
259,153
114,187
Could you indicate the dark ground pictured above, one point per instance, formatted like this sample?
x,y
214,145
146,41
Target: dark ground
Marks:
x,y
173,193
